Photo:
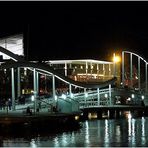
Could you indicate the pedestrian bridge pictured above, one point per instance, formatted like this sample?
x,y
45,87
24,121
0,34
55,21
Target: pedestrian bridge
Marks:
x,y
75,95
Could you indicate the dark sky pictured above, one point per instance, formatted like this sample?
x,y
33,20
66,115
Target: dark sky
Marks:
x,y
74,30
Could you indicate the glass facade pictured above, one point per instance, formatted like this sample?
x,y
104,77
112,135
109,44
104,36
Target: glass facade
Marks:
x,y
13,44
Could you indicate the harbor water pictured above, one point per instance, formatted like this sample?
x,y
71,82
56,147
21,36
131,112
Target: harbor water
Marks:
x,y
123,132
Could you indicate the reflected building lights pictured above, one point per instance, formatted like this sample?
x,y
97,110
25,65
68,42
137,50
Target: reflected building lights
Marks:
x,y
56,142
33,144
64,140
143,126
133,132
72,138
118,133
133,127
106,133
38,141
99,125
143,138
87,132
129,125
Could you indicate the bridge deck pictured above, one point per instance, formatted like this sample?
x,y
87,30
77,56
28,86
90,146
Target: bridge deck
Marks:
x,y
115,107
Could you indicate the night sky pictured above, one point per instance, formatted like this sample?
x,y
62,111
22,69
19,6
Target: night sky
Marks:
x,y
74,30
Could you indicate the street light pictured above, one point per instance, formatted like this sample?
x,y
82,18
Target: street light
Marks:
x,y
142,97
116,59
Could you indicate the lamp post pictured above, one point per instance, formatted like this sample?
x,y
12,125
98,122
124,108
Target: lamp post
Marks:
x,y
116,59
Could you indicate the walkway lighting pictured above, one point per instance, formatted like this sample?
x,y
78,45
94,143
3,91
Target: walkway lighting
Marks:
x,y
86,95
128,99
56,97
129,116
63,96
32,98
105,95
133,96
76,117
71,95
142,97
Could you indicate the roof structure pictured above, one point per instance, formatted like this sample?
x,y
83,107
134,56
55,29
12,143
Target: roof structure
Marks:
x,y
14,44
80,61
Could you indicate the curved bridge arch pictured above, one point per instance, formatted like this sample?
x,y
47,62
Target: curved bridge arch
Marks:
x,y
51,71
45,69
22,63
131,68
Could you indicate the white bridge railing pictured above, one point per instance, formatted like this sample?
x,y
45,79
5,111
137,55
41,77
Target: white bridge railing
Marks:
x,y
90,98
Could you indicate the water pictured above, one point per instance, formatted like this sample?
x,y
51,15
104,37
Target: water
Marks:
x,y
128,132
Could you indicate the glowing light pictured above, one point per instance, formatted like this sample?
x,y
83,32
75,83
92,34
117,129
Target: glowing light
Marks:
x,y
72,95
56,98
105,95
142,97
86,95
33,144
129,116
133,96
92,115
32,98
116,59
136,77
63,96
76,117
128,99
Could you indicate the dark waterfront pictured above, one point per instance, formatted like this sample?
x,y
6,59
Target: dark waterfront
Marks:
x,y
127,131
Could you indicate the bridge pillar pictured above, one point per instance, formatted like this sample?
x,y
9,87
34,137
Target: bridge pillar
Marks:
x,y
45,83
70,92
146,111
35,89
111,113
65,69
139,86
98,91
18,82
85,96
117,113
103,70
53,90
140,113
86,67
145,76
123,68
114,65
97,69
99,114
131,71
85,115
37,82
13,88
110,101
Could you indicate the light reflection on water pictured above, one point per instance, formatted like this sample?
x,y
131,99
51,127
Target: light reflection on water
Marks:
x,y
129,132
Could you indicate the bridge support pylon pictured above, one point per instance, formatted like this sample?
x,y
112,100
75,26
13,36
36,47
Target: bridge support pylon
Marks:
x,y
99,114
111,113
